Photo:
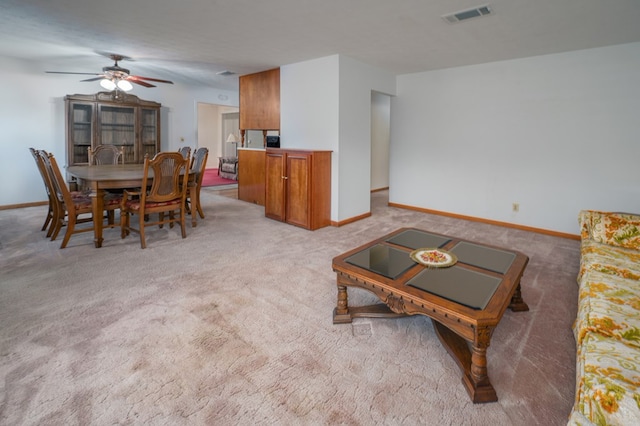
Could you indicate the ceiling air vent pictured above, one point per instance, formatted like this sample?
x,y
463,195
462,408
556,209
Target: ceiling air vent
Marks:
x,y
476,12
225,73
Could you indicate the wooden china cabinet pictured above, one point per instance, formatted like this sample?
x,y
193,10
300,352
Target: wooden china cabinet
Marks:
x,y
298,187
125,121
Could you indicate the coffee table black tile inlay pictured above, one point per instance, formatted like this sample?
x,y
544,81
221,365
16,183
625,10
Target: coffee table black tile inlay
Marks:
x,y
414,239
483,257
469,288
383,260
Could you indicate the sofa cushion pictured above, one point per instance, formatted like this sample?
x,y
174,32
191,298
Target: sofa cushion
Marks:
x,y
609,259
617,229
228,167
607,392
609,305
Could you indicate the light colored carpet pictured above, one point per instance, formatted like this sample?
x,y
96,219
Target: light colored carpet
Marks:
x,y
233,326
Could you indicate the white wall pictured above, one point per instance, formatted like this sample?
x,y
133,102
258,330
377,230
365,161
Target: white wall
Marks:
x,y
326,104
209,129
32,115
357,80
555,133
309,100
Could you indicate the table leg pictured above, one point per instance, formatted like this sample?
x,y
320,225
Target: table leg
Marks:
x,y
341,312
517,303
97,204
473,363
478,378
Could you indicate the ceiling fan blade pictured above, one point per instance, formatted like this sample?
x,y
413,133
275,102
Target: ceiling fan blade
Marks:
x,y
66,72
140,82
95,78
157,80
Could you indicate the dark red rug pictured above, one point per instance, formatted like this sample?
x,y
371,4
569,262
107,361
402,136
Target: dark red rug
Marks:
x,y
211,178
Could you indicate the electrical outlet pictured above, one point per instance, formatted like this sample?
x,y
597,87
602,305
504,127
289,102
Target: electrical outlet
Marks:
x,y
515,207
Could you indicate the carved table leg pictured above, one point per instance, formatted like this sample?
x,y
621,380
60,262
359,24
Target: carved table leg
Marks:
x,y
473,364
477,380
341,312
517,303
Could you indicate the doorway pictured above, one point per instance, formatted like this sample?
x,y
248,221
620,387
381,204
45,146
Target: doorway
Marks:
x,y
214,128
380,140
230,126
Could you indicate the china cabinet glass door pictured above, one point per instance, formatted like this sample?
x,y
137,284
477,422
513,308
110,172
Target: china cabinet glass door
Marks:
x,y
149,132
82,132
117,127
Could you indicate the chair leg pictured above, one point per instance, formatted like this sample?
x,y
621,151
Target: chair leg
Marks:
x,y
182,223
55,224
124,223
49,224
197,203
71,224
48,219
143,243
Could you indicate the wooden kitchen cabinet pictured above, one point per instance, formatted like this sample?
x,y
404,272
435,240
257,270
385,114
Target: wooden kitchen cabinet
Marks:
x,y
251,175
259,103
298,187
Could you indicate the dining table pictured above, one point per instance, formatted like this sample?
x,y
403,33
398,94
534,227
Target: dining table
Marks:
x,y
101,178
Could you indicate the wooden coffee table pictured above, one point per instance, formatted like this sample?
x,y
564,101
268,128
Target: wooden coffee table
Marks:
x,y
465,301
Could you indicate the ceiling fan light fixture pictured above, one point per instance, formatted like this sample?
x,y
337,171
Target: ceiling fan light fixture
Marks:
x,y
117,78
124,85
107,84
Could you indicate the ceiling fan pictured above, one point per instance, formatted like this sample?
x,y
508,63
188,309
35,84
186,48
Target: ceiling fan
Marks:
x,y
116,77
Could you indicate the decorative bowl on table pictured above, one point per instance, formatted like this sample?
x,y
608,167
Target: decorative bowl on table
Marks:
x,y
433,257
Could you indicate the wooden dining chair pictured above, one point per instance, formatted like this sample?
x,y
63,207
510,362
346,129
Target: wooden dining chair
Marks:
x,y
74,206
106,154
198,165
52,203
166,194
185,151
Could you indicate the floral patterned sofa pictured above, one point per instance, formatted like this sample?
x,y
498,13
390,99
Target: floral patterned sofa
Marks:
x,y
607,327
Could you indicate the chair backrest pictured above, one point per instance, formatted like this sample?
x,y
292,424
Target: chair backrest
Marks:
x,y
105,154
185,151
57,183
43,171
170,177
199,163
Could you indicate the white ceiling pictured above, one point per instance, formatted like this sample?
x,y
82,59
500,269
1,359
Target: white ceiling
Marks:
x,y
189,41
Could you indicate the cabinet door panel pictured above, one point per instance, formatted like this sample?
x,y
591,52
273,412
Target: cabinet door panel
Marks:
x,y
148,132
274,187
117,127
251,176
80,135
297,190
